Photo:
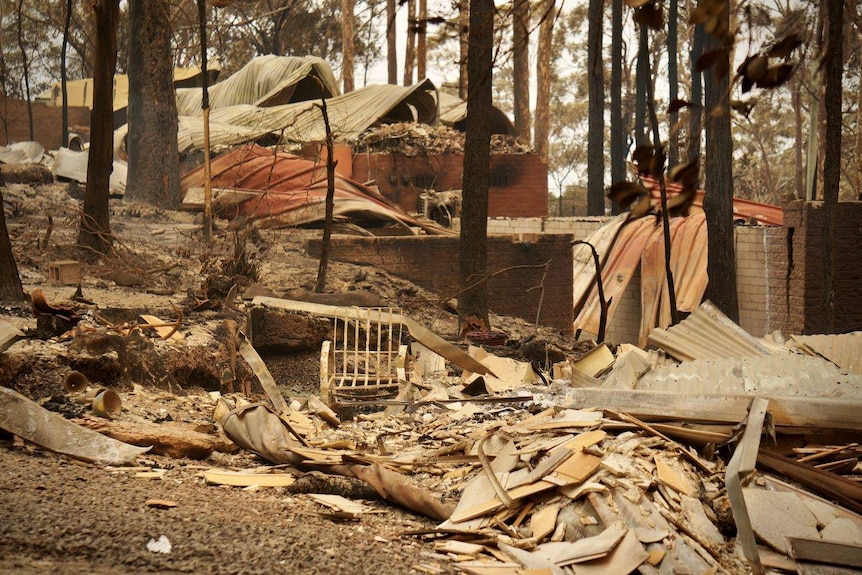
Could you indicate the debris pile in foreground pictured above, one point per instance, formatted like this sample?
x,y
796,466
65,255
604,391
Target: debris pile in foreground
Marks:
x,y
743,457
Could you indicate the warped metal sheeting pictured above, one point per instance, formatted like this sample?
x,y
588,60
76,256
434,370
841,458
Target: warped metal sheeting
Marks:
x,y
707,334
743,210
844,350
349,116
641,243
787,374
265,81
285,190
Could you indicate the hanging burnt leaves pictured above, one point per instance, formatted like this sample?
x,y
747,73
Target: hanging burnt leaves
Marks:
x,y
638,3
642,206
676,105
625,194
752,70
649,161
707,60
785,47
650,15
776,76
741,107
686,175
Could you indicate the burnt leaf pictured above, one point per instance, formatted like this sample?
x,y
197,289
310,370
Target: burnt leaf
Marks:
x,y
776,76
650,15
637,3
642,207
784,47
685,174
624,193
707,60
644,158
676,105
680,204
743,108
705,10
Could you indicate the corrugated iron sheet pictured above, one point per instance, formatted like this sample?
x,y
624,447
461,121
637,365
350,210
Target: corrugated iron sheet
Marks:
x,y
641,243
746,210
349,116
707,334
292,191
265,81
844,350
617,272
785,375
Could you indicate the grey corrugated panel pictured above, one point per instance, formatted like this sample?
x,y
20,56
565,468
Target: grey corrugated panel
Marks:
x,y
259,81
707,334
845,350
787,374
349,116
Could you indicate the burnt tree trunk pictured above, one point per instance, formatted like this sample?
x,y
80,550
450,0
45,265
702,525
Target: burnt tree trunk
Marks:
x,y
596,134
672,79
391,47
521,66
542,126
695,126
347,48
833,70
10,282
95,228
410,52
618,136
422,41
718,200
154,168
26,64
63,75
463,31
473,296
641,79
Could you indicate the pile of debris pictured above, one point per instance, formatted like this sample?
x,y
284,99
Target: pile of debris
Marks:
x,y
648,460
414,139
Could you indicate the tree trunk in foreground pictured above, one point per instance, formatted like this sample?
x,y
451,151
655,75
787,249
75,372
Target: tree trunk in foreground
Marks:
x,y
596,134
154,166
718,200
95,228
473,296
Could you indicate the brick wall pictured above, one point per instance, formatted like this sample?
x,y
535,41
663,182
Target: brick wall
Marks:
x,y
47,122
803,221
519,182
432,262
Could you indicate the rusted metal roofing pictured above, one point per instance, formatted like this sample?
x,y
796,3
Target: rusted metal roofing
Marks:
x,y
844,350
265,81
641,243
707,334
745,210
788,374
285,190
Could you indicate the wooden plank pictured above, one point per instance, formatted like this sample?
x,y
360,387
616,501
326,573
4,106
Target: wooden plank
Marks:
x,y
9,334
576,469
544,521
816,412
247,478
667,475
624,559
844,491
805,549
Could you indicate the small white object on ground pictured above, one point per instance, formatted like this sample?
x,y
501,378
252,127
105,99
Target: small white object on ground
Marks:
x,y
160,545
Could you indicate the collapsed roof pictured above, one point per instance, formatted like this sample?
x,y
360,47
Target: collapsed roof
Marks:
x,y
277,189
265,81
